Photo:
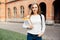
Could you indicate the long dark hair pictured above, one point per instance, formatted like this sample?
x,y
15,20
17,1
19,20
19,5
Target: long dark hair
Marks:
x,y
39,10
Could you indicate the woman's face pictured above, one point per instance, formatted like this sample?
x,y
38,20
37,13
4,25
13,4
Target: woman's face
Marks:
x,y
35,8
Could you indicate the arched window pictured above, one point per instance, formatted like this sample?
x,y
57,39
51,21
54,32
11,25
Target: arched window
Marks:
x,y
21,11
15,12
29,6
43,8
9,13
56,5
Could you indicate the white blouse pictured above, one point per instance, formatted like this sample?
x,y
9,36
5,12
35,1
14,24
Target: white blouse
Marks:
x,y
36,23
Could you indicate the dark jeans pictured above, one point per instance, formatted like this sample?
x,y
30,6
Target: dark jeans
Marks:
x,y
33,37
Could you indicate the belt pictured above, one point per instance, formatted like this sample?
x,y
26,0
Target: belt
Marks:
x,y
33,34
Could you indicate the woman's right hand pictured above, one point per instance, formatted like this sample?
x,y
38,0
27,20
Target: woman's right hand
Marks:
x,y
30,27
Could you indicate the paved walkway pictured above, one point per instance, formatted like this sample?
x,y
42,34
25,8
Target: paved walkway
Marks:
x,y
52,31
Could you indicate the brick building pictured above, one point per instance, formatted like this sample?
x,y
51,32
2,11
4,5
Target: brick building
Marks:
x,y
11,9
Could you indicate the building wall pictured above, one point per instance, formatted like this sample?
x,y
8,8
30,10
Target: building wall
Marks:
x,y
25,4
2,10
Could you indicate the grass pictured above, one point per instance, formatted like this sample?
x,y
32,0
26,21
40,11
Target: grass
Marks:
x,y
10,35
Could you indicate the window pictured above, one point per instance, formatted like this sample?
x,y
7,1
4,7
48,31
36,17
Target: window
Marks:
x,y
15,12
9,12
22,11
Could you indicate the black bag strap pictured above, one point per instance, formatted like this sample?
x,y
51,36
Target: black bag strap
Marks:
x,y
41,21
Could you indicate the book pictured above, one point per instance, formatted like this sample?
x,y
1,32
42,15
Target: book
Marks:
x,y
27,22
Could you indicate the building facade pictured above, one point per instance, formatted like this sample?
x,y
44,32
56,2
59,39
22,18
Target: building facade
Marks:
x,y
11,9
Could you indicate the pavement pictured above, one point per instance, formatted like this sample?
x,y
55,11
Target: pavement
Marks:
x,y
52,31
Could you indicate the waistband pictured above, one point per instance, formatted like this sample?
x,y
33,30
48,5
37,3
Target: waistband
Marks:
x,y
32,34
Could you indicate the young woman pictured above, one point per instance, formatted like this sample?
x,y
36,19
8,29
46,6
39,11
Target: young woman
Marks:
x,y
35,29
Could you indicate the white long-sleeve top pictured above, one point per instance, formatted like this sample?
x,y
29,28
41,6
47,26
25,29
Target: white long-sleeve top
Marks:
x,y
36,23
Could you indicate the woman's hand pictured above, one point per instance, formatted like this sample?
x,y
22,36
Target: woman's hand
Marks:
x,y
30,27
40,34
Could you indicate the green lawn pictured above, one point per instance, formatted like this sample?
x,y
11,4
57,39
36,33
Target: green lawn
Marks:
x,y
10,35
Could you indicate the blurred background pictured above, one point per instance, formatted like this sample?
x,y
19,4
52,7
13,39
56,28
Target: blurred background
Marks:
x,y
12,13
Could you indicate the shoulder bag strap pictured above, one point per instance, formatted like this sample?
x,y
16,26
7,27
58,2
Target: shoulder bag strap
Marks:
x,y
41,21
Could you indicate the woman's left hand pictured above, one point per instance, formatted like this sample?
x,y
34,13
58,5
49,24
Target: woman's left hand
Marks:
x,y
40,34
